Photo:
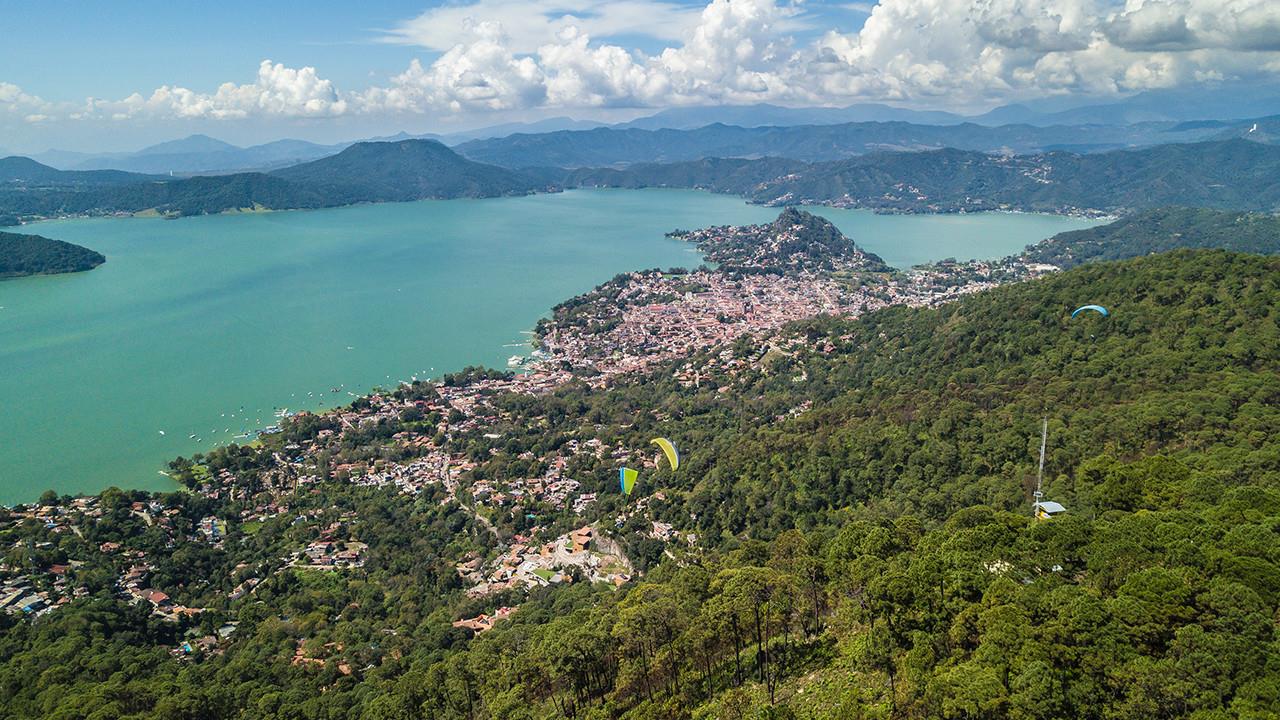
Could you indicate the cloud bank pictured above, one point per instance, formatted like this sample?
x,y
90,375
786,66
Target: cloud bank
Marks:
x,y
497,55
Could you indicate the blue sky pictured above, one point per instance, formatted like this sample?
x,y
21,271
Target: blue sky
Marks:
x,y
109,76
107,49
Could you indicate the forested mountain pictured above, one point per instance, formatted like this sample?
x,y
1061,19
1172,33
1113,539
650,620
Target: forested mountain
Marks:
x,y
18,172
192,196
22,254
366,172
1230,174
853,535
620,146
1161,230
404,170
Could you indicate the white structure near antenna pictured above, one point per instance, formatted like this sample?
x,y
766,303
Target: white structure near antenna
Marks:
x,y
1044,509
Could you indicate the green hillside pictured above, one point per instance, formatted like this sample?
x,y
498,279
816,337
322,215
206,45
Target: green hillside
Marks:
x,y
864,546
1230,174
27,173
1161,230
191,196
404,170
875,556
22,254
365,172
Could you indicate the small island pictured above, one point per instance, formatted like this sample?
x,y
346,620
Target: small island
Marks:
x,y
22,255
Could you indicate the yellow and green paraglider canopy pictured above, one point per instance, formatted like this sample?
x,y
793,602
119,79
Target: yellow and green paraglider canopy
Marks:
x,y
627,479
669,450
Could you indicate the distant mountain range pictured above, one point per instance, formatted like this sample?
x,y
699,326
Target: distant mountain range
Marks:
x,y
201,154
1227,101
1149,118
196,154
814,143
1228,174
763,114
16,170
364,172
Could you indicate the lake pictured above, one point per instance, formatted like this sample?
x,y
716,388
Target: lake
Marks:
x,y
196,329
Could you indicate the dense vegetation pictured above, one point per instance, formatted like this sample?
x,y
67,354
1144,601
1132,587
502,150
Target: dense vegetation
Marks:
x,y
1231,174
404,170
1161,230
900,574
22,254
871,556
192,196
365,172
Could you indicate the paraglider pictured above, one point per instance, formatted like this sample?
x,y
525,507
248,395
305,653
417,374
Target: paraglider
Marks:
x,y
673,457
627,479
1096,308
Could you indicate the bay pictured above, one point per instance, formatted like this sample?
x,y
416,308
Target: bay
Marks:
x,y
204,326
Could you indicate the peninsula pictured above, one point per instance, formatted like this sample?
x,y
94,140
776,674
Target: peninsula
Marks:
x,y
22,255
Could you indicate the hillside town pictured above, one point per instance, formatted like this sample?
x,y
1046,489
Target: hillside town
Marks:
x,y
767,276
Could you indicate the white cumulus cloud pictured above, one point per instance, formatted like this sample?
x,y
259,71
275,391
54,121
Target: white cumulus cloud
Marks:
x,y
505,55
14,100
530,24
482,73
960,53
279,91
995,49
736,51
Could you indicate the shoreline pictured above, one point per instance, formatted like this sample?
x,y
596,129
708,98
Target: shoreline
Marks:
x,y
155,214
129,479
544,364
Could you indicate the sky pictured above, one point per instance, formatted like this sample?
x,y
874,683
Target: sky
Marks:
x,y
100,76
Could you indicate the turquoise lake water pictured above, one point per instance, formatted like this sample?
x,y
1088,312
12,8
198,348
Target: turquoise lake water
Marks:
x,y
192,321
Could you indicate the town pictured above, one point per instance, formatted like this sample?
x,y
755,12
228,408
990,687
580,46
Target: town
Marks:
x,y
439,442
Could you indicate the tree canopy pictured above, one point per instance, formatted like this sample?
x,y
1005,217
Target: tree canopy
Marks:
x,y
855,535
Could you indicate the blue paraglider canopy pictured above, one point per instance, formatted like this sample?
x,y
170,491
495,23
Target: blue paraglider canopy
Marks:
x,y
1096,308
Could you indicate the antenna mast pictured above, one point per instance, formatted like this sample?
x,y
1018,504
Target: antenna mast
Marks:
x,y
1044,436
